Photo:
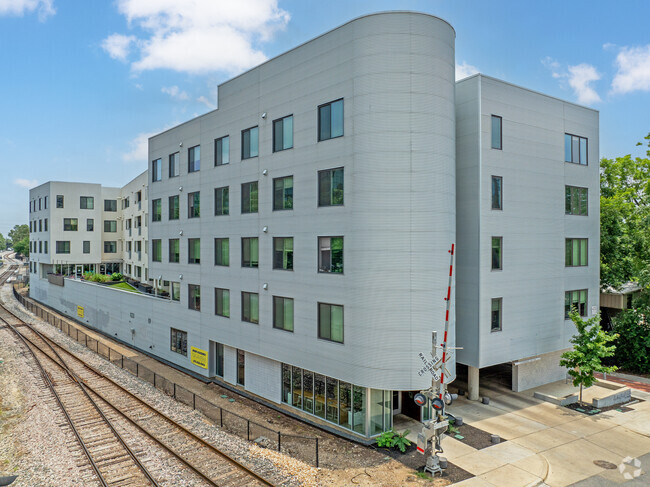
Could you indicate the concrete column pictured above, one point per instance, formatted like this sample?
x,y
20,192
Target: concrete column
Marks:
x,y
472,383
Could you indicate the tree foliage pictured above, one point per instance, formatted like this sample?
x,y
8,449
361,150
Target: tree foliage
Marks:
x,y
3,242
22,247
18,233
633,343
590,346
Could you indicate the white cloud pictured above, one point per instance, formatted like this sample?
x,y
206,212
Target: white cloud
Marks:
x,y
463,70
139,148
553,66
581,78
118,46
201,36
26,183
44,8
633,73
207,102
175,92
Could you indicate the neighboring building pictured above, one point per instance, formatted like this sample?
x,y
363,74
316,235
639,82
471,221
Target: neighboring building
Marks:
x,y
613,301
133,221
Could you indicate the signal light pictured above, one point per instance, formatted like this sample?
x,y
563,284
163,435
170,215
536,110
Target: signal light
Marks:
x,y
437,404
420,399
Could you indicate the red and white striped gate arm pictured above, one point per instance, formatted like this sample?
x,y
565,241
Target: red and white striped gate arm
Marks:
x,y
444,340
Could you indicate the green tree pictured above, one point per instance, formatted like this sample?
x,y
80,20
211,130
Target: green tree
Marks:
x,y
22,247
590,346
633,343
3,242
18,233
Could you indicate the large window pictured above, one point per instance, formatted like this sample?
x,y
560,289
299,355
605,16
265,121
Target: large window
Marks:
x,y
87,202
330,187
194,251
250,307
249,197
194,297
222,151
156,170
575,252
222,302
156,250
330,120
194,158
178,341
241,367
497,203
576,201
174,165
283,253
59,201
156,210
110,226
249,252
283,313
330,254
176,291
110,205
218,359
283,193
90,224
249,143
330,322
496,132
174,207
69,225
497,243
495,316
283,133
221,201
222,251
575,300
174,250
194,204
110,247
575,149
62,246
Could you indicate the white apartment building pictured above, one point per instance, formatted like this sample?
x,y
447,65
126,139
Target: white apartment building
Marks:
x,y
134,205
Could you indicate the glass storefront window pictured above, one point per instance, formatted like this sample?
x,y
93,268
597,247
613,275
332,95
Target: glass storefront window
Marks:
x,y
345,407
308,391
297,387
376,411
332,400
359,409
319,395
286,383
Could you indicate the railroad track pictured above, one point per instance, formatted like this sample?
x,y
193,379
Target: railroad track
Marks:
x,y
126,441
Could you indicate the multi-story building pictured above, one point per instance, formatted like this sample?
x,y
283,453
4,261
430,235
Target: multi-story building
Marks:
x,y
134,223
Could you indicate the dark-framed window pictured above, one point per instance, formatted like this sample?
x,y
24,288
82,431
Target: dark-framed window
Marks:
x,y
330,120
283,193
59,201
576,252
40,225
241,367
218,359
497,253
194,159
575,299
576,201
194,251
249,197
110,205
497,193
174,207
222,201
110,226
496,132
330,187
174,164
194,297
330,254
156,210
222,302
156,170
174,250
330,322
87,202
45,224
40,247
222,251
110,247
45,247
496,314
90,225
249,252
283,313
69,225
283,253
156,250
178,341
86,246
250,307
575,149
176,291
249,143
222,151
283,133
194,204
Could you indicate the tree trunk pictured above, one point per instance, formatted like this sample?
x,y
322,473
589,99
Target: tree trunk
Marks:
x,y
580,394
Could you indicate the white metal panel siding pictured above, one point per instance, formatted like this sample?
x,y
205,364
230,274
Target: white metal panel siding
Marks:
x,y
263,377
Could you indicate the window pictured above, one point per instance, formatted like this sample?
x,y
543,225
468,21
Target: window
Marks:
x,y
110,226
59,201
194,205
575,149
126,202
176,291
45,203
194,158
496,132
194,297
249,143
575,252
283,253
86,246
576,201
194,251
39,204
250,307
45,247
86,202
330,322
249,252
330,120
174,250
222,151
69,225
110,247
174,165
496,253
497,193
90,225
40,225
156,170
179,341
330,254
110,205
283,313
241,367
495,317
283,133
222,302
283,193
156,250
174,208
249,197
575,300
221,251
221,201
40,247
218,366
156,210
330,187
45,225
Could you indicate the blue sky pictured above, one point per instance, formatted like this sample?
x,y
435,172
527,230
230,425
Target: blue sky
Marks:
x,y
84,83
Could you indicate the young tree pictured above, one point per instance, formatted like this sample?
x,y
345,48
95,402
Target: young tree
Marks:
x,y
590,346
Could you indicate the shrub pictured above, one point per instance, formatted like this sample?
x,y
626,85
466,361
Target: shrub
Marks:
x,y
633,343
117,276
391,439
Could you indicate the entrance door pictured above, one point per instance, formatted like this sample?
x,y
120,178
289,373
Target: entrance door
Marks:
x,y
397,403
409,408
79,270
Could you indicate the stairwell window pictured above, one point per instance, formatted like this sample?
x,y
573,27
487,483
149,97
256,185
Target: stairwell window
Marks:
x,y
330,120
496,132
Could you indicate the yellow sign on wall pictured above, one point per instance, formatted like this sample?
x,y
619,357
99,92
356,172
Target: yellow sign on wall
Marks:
x,y
199,357
80,311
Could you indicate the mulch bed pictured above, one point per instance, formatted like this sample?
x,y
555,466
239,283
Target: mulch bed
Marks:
x,y
474,437
590,410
